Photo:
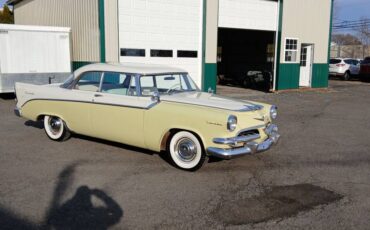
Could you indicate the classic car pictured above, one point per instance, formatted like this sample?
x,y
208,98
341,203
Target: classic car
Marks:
x,y
151,107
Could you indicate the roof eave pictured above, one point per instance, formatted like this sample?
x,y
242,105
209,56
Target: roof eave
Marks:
x,y
13,2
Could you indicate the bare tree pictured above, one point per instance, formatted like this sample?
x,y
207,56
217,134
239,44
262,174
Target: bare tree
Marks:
x,y
346,39
363,31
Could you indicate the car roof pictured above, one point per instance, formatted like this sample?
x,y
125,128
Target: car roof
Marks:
x,y
134,68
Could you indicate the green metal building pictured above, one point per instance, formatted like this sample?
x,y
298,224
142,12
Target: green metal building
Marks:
x,y
208,38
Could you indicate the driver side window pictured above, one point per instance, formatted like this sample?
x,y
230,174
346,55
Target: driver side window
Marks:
x,y
89,81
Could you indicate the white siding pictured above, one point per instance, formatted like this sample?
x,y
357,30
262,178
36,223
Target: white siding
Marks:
x,y
248,14
309,22
44,52
79,15
111,30
165,25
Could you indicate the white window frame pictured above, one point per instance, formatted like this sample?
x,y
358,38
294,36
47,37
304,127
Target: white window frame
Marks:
x,y
291,50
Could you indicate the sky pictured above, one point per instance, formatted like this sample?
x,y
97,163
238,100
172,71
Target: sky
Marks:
x,y
352,9
2,3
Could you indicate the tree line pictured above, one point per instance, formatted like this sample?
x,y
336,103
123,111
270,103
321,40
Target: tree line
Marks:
x,y
6,15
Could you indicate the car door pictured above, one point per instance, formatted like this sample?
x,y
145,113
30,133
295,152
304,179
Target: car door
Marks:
x,y
118,111
79,102
355,67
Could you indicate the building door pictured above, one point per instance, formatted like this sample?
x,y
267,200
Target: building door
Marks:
x,y
306,65
164,32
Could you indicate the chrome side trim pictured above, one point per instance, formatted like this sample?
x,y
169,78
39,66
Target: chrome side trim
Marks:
x,y
91,102
246,109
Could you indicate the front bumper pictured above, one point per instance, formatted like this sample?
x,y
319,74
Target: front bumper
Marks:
x,y
250,146
17,112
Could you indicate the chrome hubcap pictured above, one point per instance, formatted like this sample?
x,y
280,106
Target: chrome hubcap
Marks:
x,y
55,125
186,149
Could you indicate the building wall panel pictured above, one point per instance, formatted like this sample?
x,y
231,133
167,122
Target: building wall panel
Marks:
x,y
111,30
309,22
81,16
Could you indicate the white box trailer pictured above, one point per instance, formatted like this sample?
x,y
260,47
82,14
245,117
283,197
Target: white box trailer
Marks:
x,y
33,54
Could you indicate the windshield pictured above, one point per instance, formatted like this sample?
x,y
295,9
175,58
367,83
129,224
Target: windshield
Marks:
x,y
68,82
166,84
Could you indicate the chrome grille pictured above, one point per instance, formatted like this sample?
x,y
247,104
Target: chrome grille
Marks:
x,y
248,133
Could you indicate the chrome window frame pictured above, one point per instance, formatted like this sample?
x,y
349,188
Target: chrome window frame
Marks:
x,y
162,74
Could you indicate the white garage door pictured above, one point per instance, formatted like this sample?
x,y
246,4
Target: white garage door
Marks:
x,y
248,14
162,32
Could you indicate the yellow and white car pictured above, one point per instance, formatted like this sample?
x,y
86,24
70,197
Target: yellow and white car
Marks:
x,y
152,107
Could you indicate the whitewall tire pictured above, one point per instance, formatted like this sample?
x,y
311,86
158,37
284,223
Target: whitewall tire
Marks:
x,y
56,129
186,151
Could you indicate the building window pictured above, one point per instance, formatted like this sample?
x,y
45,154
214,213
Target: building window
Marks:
x,y
133,52
161,53
303,56
291,50
187,54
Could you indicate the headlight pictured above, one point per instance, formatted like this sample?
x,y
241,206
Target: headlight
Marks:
x,y
273,112
232,121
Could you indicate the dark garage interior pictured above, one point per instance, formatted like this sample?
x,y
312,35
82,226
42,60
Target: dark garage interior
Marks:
x,y
246,58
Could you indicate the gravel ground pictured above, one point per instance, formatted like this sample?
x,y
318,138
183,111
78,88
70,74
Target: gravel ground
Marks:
x,y
317,177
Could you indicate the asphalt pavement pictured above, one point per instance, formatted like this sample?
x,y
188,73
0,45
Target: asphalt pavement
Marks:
x,y
317,177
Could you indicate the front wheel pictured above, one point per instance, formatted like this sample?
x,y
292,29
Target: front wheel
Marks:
x,y
56,129
186,151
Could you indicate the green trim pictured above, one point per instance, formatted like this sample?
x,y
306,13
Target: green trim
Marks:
x,y
79,64
210,77
204,24
209,70
102,30
320,75
288,76
278,44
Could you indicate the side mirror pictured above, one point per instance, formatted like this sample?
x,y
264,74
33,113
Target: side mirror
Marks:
x,y
156,97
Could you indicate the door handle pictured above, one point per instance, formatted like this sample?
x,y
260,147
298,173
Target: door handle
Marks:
x,y
98,95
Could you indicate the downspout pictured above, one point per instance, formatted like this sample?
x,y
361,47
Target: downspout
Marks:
x,y
278,44
204,44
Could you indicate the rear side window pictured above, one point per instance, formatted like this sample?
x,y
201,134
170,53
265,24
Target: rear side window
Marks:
x,y
335,61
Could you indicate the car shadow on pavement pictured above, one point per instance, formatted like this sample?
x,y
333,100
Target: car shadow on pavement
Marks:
x,y
114,144
78,212
35,124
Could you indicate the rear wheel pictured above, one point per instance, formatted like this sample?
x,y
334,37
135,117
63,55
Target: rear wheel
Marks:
x,y
56,129
186,151
347,76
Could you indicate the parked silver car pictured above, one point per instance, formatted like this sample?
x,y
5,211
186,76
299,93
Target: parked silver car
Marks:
x,y
344,67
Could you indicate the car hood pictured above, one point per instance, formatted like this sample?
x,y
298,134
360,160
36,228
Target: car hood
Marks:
x,y
213,101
